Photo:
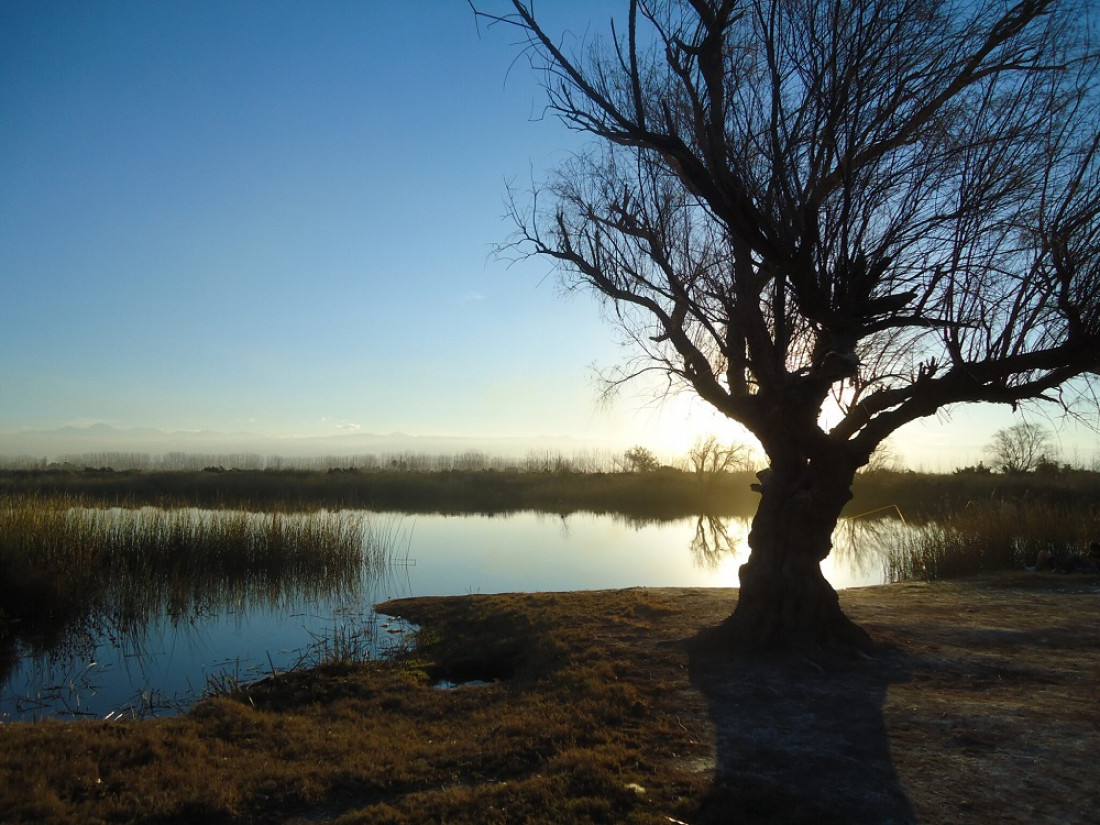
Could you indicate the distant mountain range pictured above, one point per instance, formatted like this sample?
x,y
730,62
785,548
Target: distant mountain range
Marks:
x,y
102,438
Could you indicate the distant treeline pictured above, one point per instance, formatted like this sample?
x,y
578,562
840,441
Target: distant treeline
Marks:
x,y
663,493
535,461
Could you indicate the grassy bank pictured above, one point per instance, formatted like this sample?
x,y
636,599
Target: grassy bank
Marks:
x,y
600,708
661,494
666,493
927,496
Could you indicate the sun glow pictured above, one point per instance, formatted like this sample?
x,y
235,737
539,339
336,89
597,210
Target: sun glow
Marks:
x,y
671,426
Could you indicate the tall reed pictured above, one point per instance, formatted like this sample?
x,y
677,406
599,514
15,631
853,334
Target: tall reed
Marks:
x,y
64,565
985,537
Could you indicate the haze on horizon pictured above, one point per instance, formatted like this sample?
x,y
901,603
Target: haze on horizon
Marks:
x,y
277,218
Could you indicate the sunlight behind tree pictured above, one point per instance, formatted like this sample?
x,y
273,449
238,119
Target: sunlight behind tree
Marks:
x,y
790,206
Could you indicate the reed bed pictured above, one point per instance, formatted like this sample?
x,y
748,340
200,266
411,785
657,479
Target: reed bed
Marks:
x,y
65,566
983,537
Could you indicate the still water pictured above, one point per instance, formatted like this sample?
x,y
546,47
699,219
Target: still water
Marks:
x,y
163,666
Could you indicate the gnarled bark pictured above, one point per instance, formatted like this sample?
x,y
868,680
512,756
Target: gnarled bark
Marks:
x,y
785,602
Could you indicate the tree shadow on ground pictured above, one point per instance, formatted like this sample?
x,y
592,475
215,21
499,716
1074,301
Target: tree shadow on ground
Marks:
x,y
799,739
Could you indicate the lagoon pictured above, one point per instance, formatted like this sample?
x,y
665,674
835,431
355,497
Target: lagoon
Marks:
x,y
170,661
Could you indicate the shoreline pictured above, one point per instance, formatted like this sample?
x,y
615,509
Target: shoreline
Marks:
x,y
598,706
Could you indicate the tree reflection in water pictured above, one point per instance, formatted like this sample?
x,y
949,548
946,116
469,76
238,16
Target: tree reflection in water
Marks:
x,y
714,540
862,547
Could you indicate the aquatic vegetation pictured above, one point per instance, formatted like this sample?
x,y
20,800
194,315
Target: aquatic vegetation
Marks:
x,y
70,571
980,538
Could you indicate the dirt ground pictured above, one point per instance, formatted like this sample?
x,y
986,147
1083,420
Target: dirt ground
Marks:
x,y
986,709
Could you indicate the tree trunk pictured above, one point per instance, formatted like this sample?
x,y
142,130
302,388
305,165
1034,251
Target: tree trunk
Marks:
x,y
784,601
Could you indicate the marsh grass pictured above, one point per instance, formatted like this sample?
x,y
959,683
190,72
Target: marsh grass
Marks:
x,y
665,493
981,537
69,571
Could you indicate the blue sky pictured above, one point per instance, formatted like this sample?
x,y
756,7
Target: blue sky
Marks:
x,y
277,218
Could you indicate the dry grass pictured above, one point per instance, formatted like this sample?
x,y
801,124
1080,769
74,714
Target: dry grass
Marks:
x,y
69,571
563,735
983,537
661,494
604,710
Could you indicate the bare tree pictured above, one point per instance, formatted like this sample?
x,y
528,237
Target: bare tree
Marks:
x,y
875,208
710,459
1020,448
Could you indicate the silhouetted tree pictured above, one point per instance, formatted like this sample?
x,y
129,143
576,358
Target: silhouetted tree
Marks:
x,y
871,208
640,460
710,459
1020,448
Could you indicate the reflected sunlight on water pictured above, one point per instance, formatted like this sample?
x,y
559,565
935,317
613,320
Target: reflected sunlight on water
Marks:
x,y
168,662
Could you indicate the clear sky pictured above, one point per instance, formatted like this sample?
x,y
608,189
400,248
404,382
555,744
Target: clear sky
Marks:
x,y
277,217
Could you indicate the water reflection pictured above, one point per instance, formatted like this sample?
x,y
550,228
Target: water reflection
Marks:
x,y
170,663
865,551
714,540
130,601
154,643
